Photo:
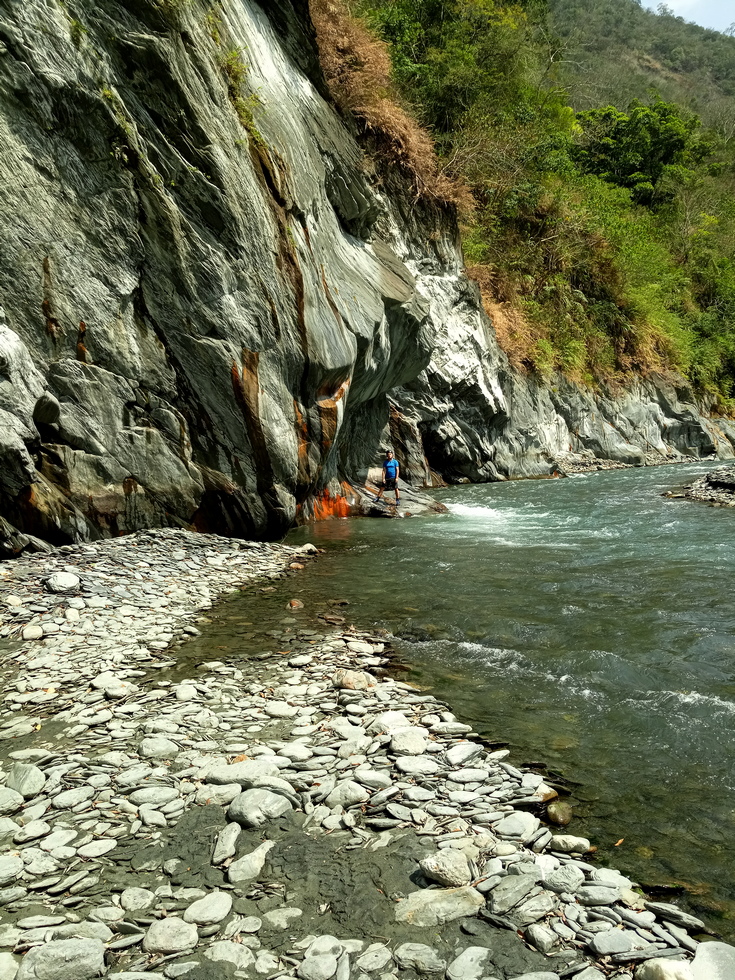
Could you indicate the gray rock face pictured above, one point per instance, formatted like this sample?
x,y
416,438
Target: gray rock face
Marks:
x,y
222,287
210,332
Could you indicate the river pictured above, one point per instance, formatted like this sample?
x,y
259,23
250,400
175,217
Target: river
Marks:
x,y
589,624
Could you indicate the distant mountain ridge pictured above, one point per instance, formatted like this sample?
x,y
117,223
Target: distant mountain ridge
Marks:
x,y
682,61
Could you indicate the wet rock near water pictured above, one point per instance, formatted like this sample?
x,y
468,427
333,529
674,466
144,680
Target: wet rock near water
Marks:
x,y
716,487
272,817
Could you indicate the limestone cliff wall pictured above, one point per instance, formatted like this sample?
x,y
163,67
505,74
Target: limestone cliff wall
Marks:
x,y
211,312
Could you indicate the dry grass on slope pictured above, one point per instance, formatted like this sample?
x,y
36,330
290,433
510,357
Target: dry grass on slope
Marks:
x,y
357,68
516,336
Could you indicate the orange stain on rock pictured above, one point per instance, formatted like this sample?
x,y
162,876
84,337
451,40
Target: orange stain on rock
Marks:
x,y
324,506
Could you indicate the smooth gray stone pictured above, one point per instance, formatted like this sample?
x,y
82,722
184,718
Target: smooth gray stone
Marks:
x,y
8,829
282,918
226,843
409,741
462,753
541,937
430,907
672,913
612,941
347,793
592,895
419,957
97,848
70,798
469,965
658,968
25,779
136,899
158,748
154,795
255,807
9,966
535,908
10,801
11,867
323,966
219,794
714,961
543,975
210,909
518,825
448,867
376,957
170,935
33,830
227,951
568,879
249,865
420,765
510,892
247,773
83,930
62,959
62,582
590,973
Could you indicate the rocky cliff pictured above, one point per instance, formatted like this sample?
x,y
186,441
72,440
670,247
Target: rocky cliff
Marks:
x,y
214,316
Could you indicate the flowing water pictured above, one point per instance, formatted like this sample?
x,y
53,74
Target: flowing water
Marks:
x,y
589,624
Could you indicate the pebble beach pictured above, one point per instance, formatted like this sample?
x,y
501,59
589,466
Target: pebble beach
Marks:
x,y
301,813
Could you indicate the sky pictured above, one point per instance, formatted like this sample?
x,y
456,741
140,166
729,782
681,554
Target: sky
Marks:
x,y
717,14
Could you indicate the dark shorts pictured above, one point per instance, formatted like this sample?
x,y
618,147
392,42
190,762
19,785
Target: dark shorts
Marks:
x,y
389,484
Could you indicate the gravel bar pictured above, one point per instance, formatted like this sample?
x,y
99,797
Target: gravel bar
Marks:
x,y
299,814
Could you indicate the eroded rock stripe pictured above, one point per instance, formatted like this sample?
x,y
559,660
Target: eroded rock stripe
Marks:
x,y
298,815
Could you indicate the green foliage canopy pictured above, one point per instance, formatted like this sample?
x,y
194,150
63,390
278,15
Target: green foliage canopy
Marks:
x,y
607,226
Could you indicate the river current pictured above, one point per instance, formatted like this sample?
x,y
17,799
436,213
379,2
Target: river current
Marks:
x,y
589,624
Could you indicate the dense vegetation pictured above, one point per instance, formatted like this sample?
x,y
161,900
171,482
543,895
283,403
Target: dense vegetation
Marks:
x,y
600,219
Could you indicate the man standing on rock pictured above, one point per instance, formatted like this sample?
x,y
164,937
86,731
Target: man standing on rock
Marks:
x,y
391,472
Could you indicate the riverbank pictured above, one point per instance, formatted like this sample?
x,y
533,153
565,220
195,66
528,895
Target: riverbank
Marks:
x,y
716,487
300,813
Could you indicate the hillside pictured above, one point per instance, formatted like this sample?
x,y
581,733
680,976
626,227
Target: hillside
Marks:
x,y
603,222
615,51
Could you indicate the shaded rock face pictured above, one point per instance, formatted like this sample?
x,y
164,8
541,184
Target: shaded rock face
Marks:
x,y
193,304
206,303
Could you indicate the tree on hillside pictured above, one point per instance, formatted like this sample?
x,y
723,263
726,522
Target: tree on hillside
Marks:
x,y
637,148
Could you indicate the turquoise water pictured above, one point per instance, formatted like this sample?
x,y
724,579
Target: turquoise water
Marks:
x,y
589,624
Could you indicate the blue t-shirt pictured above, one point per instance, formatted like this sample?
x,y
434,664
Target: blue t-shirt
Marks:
x,y
390,469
